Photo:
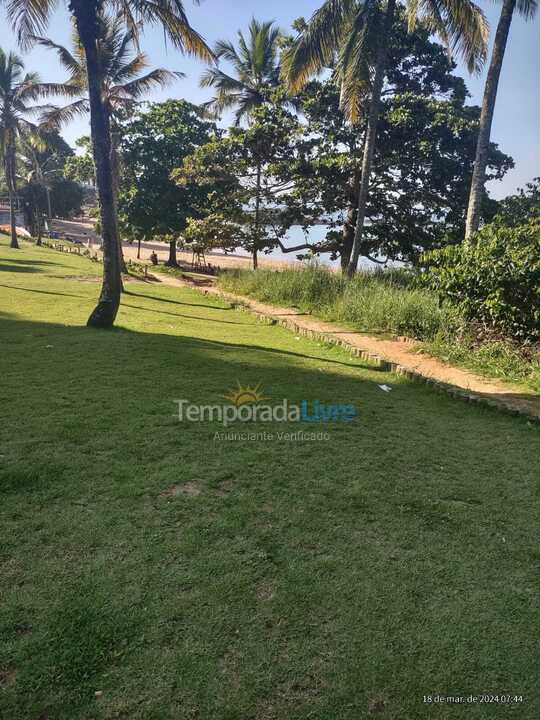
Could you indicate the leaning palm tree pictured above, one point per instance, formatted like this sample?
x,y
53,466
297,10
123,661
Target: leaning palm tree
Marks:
x,y
123,85
353,37
256,75
527,8
256,71
18,90
30,18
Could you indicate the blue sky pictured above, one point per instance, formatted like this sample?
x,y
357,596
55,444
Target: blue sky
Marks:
x,y
516,125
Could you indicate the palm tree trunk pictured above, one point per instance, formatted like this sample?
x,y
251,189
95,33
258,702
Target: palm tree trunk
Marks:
x,y
38,221
349,225
371,132
104,314
9,167
257,217
347,238
486,118
13,225
115,164
49,209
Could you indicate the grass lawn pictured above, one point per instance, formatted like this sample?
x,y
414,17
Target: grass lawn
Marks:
x,y
329,580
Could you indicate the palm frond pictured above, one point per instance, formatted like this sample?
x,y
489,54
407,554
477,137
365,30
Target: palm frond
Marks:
x,y
158,78
462,25
354,64
129,70
29,18
69,61
170,14
254,63
214,77
225,50
527,8
53,118
40,90
314,49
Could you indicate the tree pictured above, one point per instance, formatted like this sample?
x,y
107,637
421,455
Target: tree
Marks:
x,y
421,164
257,78
213,232
153,145
123,85
418,193
46,190
256,69
523,206
81,167
247,168
358,35
30,18
527,8
17,92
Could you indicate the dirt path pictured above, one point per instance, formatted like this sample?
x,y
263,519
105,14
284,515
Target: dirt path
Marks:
x,y
399,355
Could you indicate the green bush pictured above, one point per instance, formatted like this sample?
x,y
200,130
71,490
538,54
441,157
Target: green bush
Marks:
x,y
495,280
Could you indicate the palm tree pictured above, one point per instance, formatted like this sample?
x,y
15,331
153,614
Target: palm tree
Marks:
x,y
121,63
17,91
30,18
354,37
527,8
31,171
256,69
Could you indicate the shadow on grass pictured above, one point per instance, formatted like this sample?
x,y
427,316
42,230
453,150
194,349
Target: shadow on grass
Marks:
x,y
24,266
180,315
174,302
40,292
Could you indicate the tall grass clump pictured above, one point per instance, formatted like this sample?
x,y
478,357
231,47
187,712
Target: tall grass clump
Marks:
x,y
393,302
384,301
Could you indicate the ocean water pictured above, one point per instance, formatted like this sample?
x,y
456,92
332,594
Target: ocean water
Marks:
x,y
296,236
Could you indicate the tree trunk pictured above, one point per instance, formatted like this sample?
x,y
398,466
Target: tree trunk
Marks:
x,y
9,166
139,248
115,164
486,118
257,240
350,224
172,261
38,224
371,132
86,17
348,238
49,210
12,223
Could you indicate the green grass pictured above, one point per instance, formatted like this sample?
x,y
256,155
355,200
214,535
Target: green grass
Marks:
x,y
295,580
375,302
388,302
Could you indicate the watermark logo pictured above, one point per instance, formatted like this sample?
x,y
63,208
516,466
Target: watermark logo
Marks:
x,y
248,403
245,395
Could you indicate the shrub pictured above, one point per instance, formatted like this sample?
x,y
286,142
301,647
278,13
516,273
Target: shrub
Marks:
x,y
495,280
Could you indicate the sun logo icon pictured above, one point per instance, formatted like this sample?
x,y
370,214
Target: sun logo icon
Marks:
x,y
245,395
